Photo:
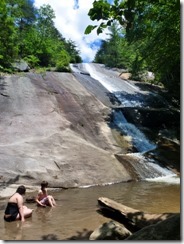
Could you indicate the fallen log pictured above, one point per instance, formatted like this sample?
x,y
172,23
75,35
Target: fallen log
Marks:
x,y
131,218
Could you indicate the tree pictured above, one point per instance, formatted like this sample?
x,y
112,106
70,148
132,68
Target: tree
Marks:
x,y
29,33
63,60
152,29
8,49
23,14
115,51
155,27
71,48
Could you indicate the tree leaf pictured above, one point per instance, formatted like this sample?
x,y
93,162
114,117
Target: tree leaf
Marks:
x,y
89,29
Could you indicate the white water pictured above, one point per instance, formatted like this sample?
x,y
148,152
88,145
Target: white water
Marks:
x,y
110,81
140,142
147,169
98,76
128,103
170,179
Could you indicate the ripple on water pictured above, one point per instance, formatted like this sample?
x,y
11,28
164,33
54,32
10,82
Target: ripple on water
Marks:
x,y
75,216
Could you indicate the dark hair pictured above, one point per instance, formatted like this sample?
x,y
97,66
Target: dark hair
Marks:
x,y
21,190
44,183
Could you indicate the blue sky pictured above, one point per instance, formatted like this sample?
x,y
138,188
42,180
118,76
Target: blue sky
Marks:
x,y
71,20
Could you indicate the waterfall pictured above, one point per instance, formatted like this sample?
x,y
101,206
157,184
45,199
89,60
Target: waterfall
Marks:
x,y
148,169
140,142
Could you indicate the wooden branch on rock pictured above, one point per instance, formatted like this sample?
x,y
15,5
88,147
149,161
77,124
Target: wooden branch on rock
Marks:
x,y
131,218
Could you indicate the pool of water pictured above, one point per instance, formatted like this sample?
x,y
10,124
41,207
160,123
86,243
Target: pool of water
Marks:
x,y
75,216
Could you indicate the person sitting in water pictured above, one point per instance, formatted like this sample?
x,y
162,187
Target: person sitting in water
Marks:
x,y
43,199
15,209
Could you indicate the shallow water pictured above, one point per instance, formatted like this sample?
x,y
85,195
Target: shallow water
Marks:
x,y
75,216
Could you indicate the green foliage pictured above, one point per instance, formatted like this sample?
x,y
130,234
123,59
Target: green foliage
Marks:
x,y
8,49
155,28
116,52
102,10
152,36
32,60
63,60
74,54
29,33
89,28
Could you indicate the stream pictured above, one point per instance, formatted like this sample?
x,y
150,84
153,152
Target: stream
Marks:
x,y
75,216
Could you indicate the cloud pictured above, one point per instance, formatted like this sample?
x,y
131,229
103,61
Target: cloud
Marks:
x,y
71,21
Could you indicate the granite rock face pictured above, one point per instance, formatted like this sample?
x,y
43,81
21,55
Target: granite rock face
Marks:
x,y
53,128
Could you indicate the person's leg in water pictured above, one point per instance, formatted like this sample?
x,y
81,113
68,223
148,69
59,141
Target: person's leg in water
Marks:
x,y
51,201
27,212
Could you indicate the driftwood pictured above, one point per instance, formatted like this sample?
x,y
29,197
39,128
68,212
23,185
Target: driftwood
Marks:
x,y
131,218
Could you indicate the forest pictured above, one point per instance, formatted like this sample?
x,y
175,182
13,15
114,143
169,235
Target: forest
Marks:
x,y
143,36
29,33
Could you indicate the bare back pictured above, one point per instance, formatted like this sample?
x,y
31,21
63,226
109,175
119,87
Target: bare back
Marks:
x,y
17,198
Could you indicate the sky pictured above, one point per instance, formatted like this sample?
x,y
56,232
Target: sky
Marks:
x,y
71,21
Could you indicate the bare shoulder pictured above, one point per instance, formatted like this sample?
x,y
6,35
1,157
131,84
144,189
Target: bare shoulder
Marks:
x,y
15,197
19,197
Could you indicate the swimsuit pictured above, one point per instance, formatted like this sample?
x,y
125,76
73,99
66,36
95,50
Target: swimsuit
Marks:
x,y
12,210
44,201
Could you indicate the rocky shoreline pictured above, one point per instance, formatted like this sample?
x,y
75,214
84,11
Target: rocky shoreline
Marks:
x,y
132,224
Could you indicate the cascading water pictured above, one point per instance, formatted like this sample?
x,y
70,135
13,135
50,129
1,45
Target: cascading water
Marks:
x,y
150,170
146,168
140,142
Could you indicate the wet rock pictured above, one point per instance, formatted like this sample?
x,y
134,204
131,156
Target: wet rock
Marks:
x,y
138,225
110,231
167,153
168,229
152,117
31,199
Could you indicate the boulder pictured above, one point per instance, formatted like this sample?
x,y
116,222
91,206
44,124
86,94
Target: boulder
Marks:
x,y
110,231
168,229
21,65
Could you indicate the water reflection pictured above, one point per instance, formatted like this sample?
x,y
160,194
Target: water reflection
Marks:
x,y
75,216
15,230
43,214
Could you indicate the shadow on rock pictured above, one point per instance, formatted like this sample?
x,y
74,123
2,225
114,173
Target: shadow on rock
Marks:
x,y
49,237
81,235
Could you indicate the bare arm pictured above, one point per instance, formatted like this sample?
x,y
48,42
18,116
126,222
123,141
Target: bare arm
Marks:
x,y
38,201
20,206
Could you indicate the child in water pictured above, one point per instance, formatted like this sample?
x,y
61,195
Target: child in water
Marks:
x,y
43,199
